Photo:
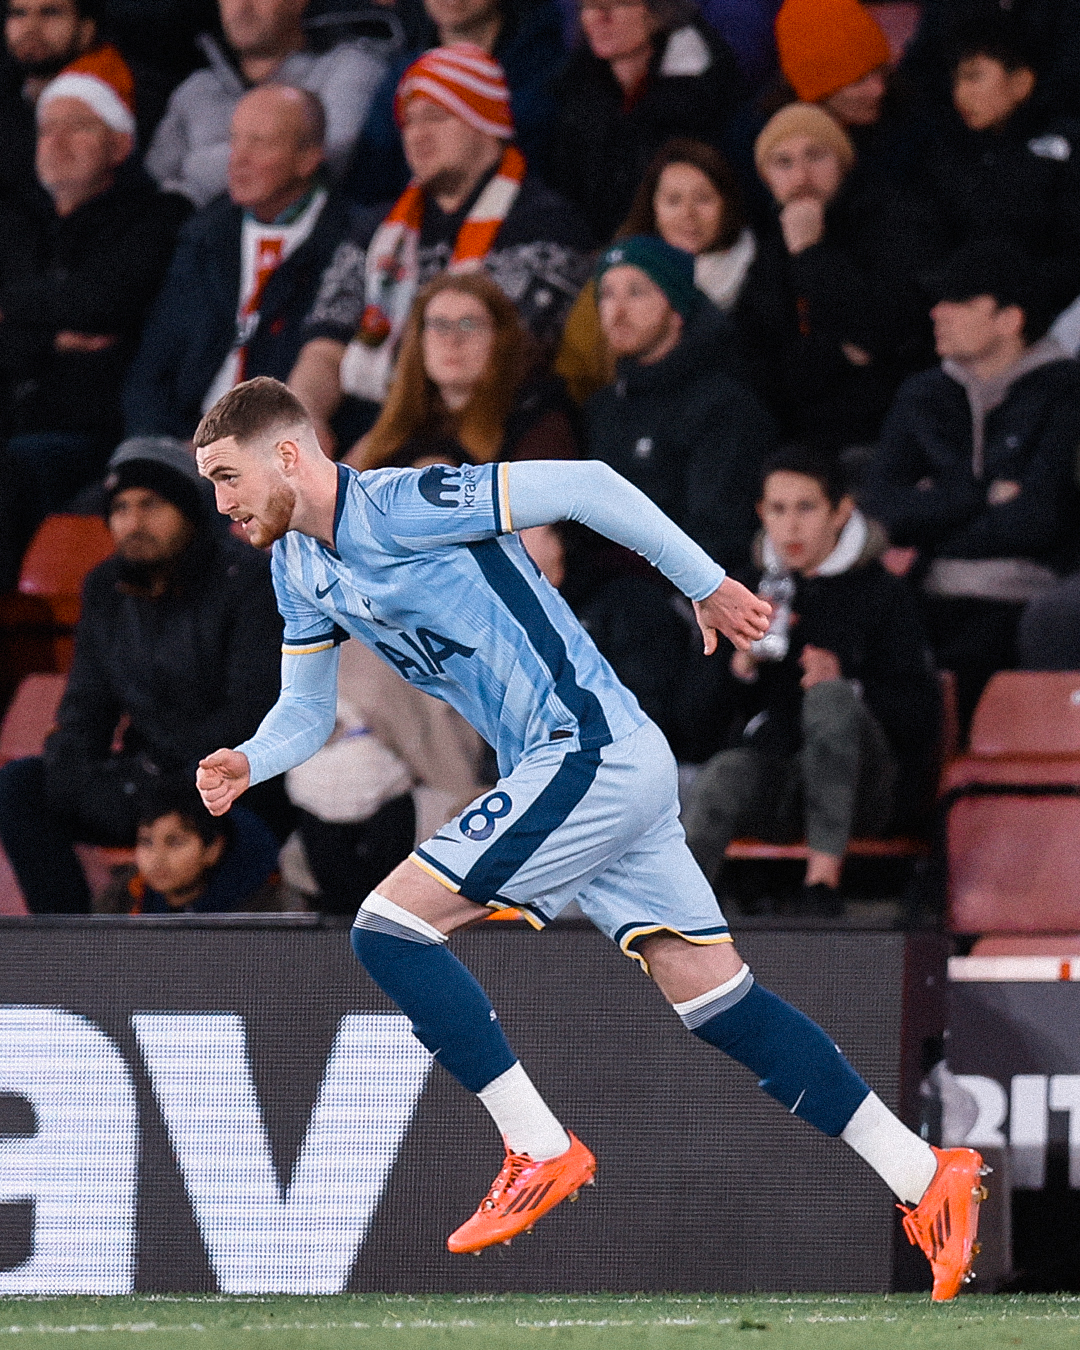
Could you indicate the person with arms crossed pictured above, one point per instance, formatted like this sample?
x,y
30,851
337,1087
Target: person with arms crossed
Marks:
x,y
424,566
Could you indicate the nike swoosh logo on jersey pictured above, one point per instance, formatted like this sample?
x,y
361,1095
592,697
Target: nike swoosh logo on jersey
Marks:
x,y
321,592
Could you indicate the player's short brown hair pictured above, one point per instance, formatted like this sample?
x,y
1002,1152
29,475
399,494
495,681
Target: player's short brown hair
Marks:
x,y
250,409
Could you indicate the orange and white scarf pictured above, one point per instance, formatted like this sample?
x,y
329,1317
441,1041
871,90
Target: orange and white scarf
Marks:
x,y
392,272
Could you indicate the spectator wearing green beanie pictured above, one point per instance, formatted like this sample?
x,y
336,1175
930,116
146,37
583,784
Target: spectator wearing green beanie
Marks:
x,y
670,268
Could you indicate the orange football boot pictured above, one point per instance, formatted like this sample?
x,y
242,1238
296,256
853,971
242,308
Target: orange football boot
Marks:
x,y
523,1191
946,1219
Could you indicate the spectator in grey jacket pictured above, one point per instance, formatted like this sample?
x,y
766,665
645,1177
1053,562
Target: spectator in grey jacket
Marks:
x,y
190,150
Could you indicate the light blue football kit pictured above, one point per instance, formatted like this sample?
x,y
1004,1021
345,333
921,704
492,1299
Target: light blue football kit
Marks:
x,y
427,572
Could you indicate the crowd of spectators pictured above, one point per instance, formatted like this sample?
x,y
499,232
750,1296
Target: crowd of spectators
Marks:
x,y
807,273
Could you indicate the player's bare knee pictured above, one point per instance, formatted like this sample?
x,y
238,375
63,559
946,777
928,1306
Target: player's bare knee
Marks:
x,y
428,899
685,970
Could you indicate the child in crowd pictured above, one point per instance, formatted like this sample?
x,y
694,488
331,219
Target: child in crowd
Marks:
x,y
186,862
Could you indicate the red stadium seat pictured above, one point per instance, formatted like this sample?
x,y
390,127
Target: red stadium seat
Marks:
x,y
64,549
1012,807
31,716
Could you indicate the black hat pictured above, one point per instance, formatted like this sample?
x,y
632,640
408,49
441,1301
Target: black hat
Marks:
x,y
163,464
998,268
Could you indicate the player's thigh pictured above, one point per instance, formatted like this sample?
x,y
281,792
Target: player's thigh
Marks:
x,y
422,895
655,893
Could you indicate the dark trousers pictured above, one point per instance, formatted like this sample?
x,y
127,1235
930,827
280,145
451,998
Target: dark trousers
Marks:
x,y
974,639
349,860
840,783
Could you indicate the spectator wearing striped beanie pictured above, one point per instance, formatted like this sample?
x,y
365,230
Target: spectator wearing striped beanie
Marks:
x,y
471,203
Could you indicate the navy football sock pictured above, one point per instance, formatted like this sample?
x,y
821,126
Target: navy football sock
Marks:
x,y
450,1012
795,1061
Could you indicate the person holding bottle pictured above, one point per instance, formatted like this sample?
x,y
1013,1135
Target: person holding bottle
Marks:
x,y
837,705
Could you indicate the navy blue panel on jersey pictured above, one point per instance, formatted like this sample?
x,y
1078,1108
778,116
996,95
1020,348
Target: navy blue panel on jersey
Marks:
x,y
511,587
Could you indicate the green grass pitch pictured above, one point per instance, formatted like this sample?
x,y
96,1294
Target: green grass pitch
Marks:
x,y
582,1322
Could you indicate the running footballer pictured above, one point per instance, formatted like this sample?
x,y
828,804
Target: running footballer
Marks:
x,y
425,568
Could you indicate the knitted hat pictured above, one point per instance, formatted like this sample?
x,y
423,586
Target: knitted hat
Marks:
x,y
465,81
102,80
165,466
804,119
672,269
827,44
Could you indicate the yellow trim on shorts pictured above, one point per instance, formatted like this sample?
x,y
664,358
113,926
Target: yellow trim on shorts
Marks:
x,y
530,919
647,930
433,872
503,476
288,649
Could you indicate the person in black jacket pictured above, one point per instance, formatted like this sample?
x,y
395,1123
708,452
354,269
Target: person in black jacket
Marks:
x,y
648,71
1003,167
685,432
177,650
976,467
830,313
245,271
836,709
78,271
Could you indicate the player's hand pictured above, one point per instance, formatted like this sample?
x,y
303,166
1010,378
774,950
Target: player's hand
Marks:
x,y
221,778
734,611
818,665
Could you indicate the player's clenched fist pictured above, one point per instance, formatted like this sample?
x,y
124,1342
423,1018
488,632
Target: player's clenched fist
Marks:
x,y
734,611
221,778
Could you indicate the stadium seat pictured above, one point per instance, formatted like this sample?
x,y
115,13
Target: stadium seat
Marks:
x,y
1012,809
61,553
31,716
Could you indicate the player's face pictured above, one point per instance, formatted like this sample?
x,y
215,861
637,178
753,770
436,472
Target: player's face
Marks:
x,y
250,488
146,529
799,519
173,858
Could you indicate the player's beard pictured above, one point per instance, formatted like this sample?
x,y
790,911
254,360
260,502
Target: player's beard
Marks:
x,y
272,522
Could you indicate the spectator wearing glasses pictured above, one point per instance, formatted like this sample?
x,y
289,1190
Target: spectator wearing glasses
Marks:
x,y
464,389
649,70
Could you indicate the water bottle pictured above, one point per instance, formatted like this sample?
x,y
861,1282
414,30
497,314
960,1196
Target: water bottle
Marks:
x,y
779,589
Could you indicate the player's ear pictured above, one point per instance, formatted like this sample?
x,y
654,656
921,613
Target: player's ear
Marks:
x,y
288,455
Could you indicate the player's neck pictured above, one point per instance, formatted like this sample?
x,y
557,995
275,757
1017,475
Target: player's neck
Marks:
x,y
316,499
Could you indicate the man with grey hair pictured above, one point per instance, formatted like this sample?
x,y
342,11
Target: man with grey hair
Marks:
x,y
246,268
266,44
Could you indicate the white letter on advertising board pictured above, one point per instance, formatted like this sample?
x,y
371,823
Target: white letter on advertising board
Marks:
x,y
260,1237
78,1167
1028,1128
1064,1095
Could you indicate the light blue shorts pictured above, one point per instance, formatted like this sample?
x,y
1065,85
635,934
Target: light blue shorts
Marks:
x,y
597,826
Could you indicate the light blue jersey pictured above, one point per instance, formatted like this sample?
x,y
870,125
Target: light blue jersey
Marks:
x,y
425,570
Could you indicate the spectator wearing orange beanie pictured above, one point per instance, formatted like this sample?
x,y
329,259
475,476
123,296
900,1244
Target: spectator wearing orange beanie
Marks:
x,y
834,53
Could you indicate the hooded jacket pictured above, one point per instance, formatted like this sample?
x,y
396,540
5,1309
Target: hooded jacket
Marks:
x,y
870,621
943,445
190,149
192,326
688,435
